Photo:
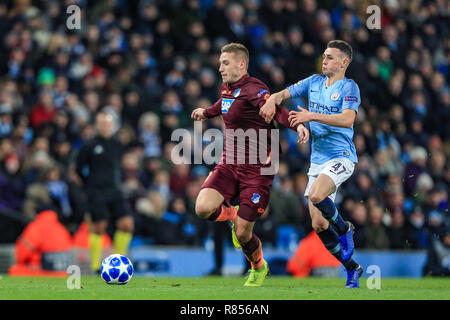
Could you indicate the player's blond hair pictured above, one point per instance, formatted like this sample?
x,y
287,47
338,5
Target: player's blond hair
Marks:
x,y
238,49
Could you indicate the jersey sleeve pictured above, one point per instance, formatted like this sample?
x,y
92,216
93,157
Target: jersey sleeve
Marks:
x,y
282,117
214,110
351,96
257,95
300,88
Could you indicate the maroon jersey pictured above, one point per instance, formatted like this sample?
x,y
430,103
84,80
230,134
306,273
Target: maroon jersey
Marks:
x,y
239,106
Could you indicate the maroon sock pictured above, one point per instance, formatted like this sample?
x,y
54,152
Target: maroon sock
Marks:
x,y
253,251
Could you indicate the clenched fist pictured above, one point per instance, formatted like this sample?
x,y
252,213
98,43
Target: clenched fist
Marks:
x,y
197,114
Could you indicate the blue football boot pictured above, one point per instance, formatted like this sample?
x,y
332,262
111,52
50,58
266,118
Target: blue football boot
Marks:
x,y
353,277
347,242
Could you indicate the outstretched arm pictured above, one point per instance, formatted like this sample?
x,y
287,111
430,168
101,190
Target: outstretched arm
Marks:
x,y
282,117
210,112
198,115
271,109
343,120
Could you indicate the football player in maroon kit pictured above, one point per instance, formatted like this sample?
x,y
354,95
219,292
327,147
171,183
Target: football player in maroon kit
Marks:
x,y
241,98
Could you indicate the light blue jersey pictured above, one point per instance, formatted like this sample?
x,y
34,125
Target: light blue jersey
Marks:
x,y
329,142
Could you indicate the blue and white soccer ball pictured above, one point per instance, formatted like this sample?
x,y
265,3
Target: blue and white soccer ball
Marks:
x,y
116,269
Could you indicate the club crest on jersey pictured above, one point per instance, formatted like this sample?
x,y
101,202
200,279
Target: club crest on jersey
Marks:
x,y
255,198
335,96
237,93
226,104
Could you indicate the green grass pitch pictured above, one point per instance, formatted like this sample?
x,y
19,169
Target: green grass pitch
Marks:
x,y
222,288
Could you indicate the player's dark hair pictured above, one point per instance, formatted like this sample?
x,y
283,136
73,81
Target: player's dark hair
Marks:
x,y
238,49
343,46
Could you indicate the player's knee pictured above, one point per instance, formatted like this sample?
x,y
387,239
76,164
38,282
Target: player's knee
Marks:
x,y
319,225
243,236
316,197
203,210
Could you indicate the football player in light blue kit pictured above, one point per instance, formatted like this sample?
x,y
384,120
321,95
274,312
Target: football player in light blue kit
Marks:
x,y
333,104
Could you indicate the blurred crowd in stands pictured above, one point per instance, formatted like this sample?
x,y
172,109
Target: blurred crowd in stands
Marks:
x,y
152,62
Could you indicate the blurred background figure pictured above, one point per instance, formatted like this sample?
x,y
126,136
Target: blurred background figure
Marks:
x,y
311,258
439,256
44,248
98,165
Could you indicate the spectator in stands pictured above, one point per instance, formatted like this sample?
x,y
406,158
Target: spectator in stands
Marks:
x,y
376,236
358,216
6,123
174,227
438,256
414,169
437,163
179,179
149,208
284,203
131,185
149,134
416,229
44,111
424,185
363,186
398,237
12,184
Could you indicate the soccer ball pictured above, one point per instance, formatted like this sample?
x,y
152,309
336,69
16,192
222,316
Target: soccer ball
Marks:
x,y
116,269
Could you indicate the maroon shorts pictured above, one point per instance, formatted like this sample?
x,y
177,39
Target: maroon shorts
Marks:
x,y
243,180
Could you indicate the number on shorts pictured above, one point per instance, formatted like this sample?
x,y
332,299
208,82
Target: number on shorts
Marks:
x,y
336,168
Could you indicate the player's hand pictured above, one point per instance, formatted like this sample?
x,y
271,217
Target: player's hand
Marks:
x,y
197,114
268,110
298,117
303,134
